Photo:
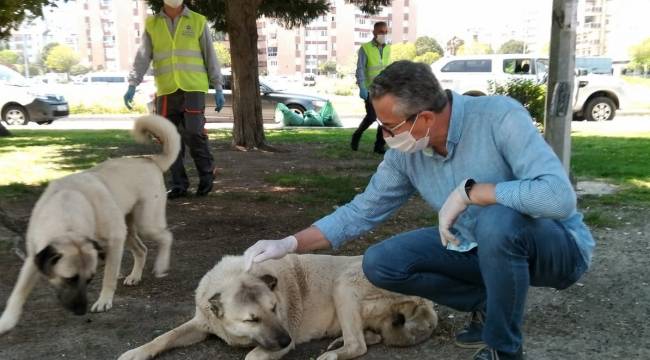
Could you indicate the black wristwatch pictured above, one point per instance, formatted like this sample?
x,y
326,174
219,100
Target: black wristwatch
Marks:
x,y
469,184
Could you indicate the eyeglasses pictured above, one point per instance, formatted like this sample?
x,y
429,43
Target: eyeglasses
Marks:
x,y
391,130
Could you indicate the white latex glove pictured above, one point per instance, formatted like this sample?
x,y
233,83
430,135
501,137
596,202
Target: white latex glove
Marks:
x,y
269,249
455,204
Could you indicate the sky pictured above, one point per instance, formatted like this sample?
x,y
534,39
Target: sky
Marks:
x,y
497,19
442,20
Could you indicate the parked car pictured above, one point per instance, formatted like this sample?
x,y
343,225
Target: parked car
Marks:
x,y
596,97
21,102
103,78
298,102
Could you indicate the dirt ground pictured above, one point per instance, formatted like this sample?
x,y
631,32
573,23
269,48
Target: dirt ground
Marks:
x,y
604,316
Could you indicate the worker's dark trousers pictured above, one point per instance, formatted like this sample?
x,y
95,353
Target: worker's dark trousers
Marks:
x,y
185,110
368,120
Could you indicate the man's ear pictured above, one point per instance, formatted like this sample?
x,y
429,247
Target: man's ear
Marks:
x,y
270,280
46,259
216,306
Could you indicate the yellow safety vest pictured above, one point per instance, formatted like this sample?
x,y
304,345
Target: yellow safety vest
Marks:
x,y
376,62
178,61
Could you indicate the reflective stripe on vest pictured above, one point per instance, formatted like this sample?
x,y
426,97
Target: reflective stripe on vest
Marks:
x,y
376,62
177,58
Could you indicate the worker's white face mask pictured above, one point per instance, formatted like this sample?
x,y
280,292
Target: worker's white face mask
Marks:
x,y
406,142
173,3
381,38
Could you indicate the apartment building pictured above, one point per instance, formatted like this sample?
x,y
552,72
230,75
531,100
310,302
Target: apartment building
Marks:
x,y
594,20
110,32
335,36
105,33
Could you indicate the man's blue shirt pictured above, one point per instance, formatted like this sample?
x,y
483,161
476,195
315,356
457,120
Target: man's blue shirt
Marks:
x,y
491,139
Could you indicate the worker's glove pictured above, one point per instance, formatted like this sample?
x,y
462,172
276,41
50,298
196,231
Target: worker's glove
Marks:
x,y
219,99
269,249
363,93
455,204
128,97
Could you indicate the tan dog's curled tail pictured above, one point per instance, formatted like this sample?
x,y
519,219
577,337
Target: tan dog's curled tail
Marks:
x,y
165,132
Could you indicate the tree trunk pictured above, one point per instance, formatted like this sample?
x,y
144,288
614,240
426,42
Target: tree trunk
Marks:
x,y
561,76
3,130
248,129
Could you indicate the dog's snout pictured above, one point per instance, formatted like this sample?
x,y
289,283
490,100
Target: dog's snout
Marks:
x,y
284,340
74,300
80,309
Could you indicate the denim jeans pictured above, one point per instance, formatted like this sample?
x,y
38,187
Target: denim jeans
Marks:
x,y
514,251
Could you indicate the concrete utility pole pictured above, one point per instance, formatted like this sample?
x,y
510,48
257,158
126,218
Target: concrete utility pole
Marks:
x,y
561,78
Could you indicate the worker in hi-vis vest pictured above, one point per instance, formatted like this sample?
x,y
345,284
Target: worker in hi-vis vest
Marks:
x,y
179,43
374,56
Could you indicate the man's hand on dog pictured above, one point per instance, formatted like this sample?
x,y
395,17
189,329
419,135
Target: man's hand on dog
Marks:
x,y
269,249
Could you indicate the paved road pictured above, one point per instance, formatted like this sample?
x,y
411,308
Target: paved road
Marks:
x,y
622,124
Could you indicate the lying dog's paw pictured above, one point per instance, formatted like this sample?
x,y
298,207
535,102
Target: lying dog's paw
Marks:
x,y
258,354
132,280
330,355
102,305
337,343
134,354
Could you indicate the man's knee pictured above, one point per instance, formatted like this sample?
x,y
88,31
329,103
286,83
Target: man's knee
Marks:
x,y
376,266
498,230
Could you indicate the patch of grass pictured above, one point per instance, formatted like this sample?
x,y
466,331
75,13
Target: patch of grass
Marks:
x,y
636,80
599,219
317,187
30,159
619,160
335,143
97,108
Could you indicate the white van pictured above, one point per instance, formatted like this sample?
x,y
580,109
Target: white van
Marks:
x,y
21,103
596,97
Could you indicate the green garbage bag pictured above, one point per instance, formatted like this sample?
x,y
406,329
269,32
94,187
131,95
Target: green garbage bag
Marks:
x,y
326,117
312,118
329,116
289,118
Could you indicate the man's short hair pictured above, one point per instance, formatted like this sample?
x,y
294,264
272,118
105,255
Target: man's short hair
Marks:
x,y
413,85
379,24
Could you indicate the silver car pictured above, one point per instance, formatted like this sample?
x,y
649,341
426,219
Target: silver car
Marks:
x,y
296,101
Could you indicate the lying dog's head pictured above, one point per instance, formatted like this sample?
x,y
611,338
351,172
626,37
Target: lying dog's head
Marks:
x,y
408,323
244,310
69,266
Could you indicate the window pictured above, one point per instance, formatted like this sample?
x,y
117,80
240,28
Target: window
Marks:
x,y
272,51
517,66
478,65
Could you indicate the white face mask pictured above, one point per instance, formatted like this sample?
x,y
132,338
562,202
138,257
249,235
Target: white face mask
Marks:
x,y
381,38
406,142
173,3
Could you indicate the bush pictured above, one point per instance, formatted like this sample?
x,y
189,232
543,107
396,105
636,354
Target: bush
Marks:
x,y
103,109
530,94
343,90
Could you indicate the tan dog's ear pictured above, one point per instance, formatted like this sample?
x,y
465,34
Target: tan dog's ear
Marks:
x,y
101,253
46,259
270,280
216,306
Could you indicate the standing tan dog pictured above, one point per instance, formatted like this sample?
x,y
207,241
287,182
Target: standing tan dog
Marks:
x,y
94,213
281,303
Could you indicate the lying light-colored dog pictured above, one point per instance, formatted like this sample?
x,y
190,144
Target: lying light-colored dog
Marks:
x,y
84,216
281,303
